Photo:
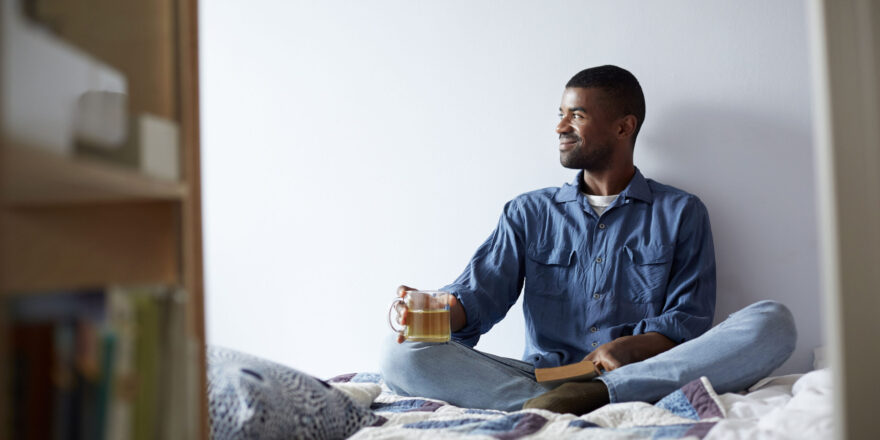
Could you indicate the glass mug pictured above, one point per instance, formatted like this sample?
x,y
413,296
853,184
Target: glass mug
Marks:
x,y
428,318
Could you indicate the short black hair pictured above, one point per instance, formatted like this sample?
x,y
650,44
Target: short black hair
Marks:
x,y
619,85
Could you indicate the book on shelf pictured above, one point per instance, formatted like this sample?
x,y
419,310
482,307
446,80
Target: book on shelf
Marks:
x,y
32,392
114,364
577,372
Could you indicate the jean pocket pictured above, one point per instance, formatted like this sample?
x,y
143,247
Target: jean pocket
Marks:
x,y
648,271
548,270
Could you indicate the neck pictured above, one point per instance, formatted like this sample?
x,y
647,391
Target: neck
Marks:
x,y
608,182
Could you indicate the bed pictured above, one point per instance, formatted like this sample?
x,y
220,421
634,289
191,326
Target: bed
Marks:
x,y
255,398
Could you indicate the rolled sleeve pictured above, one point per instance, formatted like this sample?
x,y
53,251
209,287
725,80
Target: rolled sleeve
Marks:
x,y
690,295
493,279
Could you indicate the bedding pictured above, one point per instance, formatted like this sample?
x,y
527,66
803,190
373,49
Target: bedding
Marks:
x,y
251,397
785,407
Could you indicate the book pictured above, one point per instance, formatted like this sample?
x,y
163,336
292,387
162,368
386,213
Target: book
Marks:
x,y
32,393
173,384
145,411
121,317
576,372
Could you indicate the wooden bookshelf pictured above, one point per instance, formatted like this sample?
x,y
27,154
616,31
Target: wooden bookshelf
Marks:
x,y
69,223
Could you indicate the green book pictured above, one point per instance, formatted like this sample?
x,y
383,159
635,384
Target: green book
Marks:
x,y
146,400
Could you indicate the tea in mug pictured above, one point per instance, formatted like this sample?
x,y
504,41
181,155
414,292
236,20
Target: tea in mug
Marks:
x,y
428,326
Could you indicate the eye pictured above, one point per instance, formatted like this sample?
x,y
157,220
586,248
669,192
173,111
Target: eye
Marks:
x,y
577,116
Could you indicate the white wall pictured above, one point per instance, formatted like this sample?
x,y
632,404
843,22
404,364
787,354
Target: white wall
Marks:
x,y
349,147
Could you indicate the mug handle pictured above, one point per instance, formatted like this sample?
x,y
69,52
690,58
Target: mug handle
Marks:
x,y
391,321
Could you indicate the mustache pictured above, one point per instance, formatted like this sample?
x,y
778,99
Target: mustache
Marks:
x,y
569,137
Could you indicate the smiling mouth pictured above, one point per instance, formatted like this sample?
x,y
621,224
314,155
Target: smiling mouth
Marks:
x,y
566,143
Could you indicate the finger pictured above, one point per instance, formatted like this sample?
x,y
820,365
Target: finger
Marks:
x,y
400,338
403,316
400,308
612,364
402,289
600,359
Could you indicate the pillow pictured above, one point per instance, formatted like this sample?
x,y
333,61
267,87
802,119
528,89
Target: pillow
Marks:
x,y
250,397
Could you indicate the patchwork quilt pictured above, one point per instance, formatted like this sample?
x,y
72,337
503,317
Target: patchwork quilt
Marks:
x,y
690,412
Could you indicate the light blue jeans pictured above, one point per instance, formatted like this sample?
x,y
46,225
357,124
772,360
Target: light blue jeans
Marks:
x,y
735,354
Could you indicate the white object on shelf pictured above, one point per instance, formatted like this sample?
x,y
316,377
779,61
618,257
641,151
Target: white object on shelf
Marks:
x,y
43,78
153,148
101,119
158,145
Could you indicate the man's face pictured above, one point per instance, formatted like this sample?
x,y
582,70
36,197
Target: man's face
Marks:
x,y
587,136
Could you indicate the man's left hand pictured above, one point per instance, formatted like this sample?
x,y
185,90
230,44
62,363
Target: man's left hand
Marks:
x,y
628,349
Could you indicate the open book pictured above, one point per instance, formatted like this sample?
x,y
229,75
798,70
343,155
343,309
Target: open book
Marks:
x,y
577,372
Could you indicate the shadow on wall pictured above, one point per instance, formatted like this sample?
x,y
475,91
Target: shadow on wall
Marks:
x,y
755,174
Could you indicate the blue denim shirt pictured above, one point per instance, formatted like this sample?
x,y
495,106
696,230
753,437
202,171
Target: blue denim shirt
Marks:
x,y
647,264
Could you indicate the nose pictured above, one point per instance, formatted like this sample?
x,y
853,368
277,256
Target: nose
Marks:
x,y
563,126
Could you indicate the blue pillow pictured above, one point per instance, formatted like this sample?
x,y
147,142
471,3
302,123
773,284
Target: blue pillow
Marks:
x,y
250,397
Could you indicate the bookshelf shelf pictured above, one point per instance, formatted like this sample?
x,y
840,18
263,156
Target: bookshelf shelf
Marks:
x,y
33,177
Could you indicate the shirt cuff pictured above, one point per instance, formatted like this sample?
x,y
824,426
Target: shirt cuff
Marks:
x,y
469,334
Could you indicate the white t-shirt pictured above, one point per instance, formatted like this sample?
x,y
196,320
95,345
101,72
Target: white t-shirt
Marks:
x,y
599,203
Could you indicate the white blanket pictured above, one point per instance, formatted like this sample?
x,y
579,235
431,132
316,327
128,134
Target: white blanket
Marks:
x,y
786,407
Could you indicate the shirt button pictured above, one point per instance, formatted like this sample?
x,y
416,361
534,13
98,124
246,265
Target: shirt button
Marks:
x,y
593,329
601,225
599,259
596,296
595,344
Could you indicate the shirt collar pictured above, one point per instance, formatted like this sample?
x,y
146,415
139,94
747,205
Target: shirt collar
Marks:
x,y
636,189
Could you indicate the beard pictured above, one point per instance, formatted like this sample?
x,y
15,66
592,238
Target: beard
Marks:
x,y
592,158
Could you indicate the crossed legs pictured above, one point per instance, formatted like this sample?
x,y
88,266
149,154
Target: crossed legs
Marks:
x,y
736,353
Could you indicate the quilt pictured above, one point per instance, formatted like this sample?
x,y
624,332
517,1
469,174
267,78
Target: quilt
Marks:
x,y
784,407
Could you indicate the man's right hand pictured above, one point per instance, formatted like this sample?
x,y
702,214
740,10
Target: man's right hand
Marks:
x,y
402,311
457,315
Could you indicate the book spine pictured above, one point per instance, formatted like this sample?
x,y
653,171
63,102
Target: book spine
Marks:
x,y
105,386
145,410
121,317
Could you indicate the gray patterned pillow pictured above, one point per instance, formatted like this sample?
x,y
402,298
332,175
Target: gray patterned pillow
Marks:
x,y
253,398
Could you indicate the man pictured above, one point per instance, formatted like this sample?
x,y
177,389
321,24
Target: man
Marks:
x,y
616,268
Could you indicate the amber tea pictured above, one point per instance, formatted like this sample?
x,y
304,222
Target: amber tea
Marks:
x,y
427,326
427,316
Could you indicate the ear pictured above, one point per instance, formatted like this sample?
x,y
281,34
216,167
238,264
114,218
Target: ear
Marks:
x,y
626,126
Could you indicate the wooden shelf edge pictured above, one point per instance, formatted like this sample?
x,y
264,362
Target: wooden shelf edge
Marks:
x,y
33,177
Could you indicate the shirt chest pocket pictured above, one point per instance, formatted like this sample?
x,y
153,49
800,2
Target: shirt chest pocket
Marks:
x,y
549,270
646,271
